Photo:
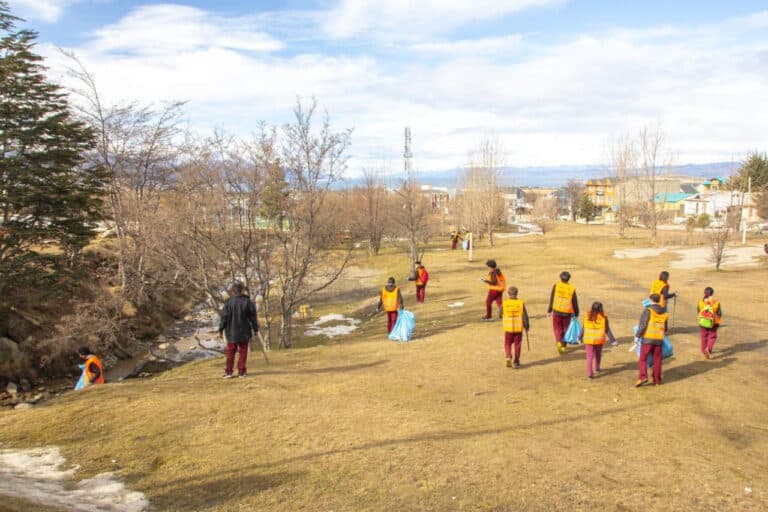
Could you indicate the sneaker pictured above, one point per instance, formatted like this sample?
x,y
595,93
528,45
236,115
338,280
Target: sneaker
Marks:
x,y
560,347
509,363
591,377
517,366
487,319
614,343
242,376
707,354
598,370
640,382
228,375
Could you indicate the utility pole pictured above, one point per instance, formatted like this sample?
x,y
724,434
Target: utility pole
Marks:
x,y
743,219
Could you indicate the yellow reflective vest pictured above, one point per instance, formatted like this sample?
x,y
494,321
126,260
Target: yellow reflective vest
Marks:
x,y
656,323
594,330
656,287
389,300
512,315
562,302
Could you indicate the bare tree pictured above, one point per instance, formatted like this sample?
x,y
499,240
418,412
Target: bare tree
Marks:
x,y
373,197
482,195
653,160
545,212
575,191
718,239
623,157
411,218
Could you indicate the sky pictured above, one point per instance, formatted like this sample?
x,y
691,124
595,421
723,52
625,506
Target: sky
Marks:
x,y
557,82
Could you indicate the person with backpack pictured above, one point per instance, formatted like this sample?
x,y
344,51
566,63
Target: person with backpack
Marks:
x,y
421,276
563,305
514,320
651,330
497,283
710,312
596,330
660,286
391,301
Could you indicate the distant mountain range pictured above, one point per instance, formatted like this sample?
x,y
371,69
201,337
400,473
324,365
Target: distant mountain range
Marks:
x,y
554,176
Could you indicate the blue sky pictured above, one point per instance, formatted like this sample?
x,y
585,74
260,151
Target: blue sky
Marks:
x,y
555,80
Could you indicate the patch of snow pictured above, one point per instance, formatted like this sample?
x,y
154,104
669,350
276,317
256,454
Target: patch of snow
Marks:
x,y
637,253
456,305
36,475
316,329
699,257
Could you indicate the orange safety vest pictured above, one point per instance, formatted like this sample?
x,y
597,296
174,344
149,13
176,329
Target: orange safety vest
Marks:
x,y
89,375
594,330
563,300
656,287
419,276
389,301
512,315
501,282
714,303
656,323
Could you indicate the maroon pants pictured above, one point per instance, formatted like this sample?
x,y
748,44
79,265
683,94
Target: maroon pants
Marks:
x,y
391,319
453,244
708,338
511,338
420,293
560,324
242,350
642,362
594,355
493,296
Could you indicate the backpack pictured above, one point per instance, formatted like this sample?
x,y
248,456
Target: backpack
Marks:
x,y
425,277
707,317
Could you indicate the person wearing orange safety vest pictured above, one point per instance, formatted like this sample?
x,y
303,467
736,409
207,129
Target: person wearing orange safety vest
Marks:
x,y
596,331
421,276
497,283
651,330
391,301
709,313
514,320
660,286
563,305
93,372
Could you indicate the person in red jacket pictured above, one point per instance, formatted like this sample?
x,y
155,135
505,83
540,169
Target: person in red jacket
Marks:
x,y
421,276
497,283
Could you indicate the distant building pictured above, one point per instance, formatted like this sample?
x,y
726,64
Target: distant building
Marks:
x,y
602,194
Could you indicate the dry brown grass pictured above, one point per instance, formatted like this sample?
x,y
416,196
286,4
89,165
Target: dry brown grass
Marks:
x,y
440,423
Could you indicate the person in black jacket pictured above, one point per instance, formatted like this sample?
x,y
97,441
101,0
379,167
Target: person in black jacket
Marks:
x,y
239,321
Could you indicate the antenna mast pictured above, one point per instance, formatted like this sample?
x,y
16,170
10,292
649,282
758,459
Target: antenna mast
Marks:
x,y
407,155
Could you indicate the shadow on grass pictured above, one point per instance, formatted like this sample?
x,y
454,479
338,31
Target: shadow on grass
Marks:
x,y
448,435
212,490
329,369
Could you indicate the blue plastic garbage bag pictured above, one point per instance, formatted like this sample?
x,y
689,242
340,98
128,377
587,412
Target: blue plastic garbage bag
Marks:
x,y
404,326
666,348
465,244
571,336
81,381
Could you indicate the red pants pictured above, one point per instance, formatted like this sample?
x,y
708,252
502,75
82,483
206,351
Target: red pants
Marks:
x,y
420,293
511,338
644,351
391,319
453,244
242,350
493,295
594,355
708,338
560,324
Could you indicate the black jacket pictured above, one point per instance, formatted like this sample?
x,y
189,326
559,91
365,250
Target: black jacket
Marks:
x,y
238,319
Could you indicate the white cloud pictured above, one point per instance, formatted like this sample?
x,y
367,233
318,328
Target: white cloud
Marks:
x,y
45,10
410,20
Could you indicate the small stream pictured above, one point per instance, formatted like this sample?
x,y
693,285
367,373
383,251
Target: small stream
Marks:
x,y
177,345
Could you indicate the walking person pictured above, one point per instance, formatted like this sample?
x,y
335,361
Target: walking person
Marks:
x,y
563,304
93,372
497,283
421,276
710,312
596,331
660,286
651,330
391,301
455,239
238,320
514,321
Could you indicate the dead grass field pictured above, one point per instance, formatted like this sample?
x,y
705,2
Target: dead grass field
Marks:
x,y
440,424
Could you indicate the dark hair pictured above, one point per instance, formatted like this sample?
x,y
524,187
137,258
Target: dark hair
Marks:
x,y
512,291
417,262
664,275
237,288
490,263
709,291
84,351
565,276
597,309
655,298
391,280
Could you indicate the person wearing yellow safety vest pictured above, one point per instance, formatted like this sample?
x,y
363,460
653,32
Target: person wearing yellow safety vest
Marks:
x,y
563,305
651,330
93,373
421,276
497,283
514,319
709,313
660,286
391,301
596,331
